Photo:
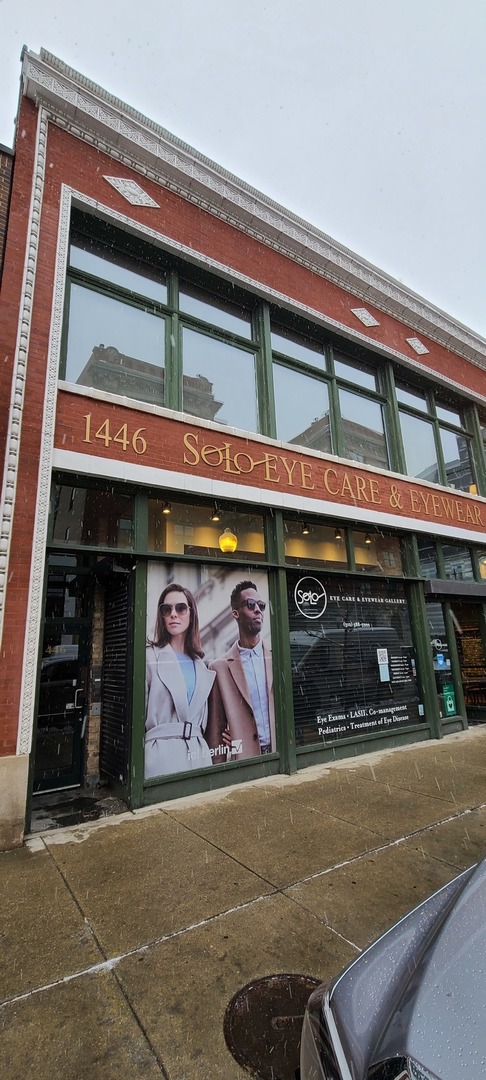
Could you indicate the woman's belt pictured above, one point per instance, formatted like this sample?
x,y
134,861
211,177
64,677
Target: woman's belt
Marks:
x,y
182,730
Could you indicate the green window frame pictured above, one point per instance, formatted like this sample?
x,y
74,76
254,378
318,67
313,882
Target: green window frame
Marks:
x,y
426,410
257,357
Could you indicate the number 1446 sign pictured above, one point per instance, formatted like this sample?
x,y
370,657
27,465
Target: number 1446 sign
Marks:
x,y
123,437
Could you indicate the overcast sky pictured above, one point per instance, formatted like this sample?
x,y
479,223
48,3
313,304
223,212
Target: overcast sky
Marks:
x,y
366,117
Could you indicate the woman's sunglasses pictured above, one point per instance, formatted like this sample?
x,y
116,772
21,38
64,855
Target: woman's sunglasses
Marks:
x,y
167,609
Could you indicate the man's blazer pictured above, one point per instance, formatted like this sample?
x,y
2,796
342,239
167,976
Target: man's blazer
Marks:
x,y
230,706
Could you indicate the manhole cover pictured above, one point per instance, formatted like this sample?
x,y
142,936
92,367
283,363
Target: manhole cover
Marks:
x,y
263,1022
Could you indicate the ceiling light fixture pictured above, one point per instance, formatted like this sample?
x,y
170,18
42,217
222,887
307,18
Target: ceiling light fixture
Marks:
x,y
338,534
215,516
166,508
305,529
367,538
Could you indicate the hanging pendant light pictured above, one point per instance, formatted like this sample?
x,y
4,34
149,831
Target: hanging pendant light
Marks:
x,y
228,541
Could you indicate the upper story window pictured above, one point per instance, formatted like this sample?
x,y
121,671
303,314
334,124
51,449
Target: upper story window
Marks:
x,y
218,380
436,444
361,432
113,266
151,328
116,330
210,309
357,374
302,407
218,364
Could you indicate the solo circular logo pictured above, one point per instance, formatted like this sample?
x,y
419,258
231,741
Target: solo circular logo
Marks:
x,y
310,597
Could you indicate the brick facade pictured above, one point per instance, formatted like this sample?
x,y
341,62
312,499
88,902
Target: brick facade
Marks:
x,y
33,218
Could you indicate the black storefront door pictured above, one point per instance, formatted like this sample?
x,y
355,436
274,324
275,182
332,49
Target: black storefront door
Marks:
x,y
61,718
63,675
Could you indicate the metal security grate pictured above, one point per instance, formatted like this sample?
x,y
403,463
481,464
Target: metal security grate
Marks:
x,y
117,664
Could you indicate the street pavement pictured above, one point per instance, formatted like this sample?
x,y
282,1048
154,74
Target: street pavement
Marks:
x,y
123,941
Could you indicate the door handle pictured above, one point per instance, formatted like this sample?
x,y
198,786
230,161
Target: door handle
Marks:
x,y
76,702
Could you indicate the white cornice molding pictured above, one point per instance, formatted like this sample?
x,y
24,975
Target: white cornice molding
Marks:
x,y
91,113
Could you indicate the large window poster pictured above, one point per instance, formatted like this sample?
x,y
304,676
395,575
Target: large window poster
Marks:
x,y
209,677
353,664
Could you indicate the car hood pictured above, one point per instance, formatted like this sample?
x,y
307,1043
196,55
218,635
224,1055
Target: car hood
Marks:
x,y
446,1029
420,990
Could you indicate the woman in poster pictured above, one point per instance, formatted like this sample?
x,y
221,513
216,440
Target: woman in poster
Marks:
x,y
178,686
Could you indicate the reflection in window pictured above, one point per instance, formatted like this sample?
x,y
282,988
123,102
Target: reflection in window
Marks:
x,y
353,662
457,461
450,415
427,557
440,655
299,347
109,265
115,347
216,311
375,553
412,398
355,373
91,517
321,544
189,530
458,562
362,430
419,447
68,591
298,398
226,392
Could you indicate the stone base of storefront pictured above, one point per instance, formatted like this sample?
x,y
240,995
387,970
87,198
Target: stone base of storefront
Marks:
x,y
14,773
367,745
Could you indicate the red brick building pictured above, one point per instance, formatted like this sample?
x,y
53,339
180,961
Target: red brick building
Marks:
x,y
199,388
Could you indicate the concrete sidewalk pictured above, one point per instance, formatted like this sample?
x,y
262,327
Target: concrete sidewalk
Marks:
x,y
123,941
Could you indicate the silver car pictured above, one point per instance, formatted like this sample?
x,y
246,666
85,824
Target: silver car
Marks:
x,y
413,1005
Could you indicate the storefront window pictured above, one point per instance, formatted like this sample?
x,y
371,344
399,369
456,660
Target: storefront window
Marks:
x,y
427,557
353,663
441,660
209,668
114,346
68,592
88,517
362,430
376,553
458,562
302,409
189,529
306,541
467,620
226,392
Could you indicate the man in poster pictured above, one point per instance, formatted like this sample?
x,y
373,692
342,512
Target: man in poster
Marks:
x,y
241,721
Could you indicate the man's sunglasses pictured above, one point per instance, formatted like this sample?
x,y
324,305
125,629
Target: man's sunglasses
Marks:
x,y
167,609
252,605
